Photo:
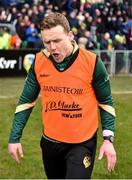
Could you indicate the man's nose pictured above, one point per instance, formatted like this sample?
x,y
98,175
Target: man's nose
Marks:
x,y
52,46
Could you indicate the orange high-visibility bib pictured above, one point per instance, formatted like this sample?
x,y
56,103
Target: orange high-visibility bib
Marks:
x,y
69,105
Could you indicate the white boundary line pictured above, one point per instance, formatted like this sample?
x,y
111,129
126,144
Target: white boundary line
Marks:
x,y
121,92
6,97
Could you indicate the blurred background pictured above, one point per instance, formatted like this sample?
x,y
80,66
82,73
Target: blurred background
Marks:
x,y
102,26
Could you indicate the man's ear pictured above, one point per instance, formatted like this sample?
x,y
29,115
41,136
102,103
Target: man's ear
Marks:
x,y
71,36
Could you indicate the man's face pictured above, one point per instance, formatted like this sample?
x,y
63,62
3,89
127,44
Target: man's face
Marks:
x,y
57,42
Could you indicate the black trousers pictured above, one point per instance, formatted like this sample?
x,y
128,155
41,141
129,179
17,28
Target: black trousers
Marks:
x,y
68,161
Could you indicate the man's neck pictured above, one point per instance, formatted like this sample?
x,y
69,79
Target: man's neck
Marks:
x,y
70,50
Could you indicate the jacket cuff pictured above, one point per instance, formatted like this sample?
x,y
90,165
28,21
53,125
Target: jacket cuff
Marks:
x,y
108,133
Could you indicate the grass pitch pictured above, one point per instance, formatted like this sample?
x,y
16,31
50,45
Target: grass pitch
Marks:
x,y
31,166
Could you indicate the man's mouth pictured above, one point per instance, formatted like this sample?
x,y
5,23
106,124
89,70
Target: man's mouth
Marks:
x,y
55,55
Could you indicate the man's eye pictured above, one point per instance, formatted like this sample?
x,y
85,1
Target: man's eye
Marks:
x,y
47,42
57,40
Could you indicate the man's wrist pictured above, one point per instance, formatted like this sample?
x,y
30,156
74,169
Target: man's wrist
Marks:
x,y
109,138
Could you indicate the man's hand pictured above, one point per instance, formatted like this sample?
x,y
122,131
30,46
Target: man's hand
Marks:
x,y
108,150
16,152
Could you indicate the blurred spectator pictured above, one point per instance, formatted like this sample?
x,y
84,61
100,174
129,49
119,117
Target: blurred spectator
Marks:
x,y
128,33
20,28
100,26
14,13
6,37
104,41
129,46
58,4
2,41
15,41
75,33
104,44
91,44
119,45
72,5
73,20
31,35
82,41
35,15
27,21
41,11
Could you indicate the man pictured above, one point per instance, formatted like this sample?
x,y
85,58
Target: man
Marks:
x,y
73,83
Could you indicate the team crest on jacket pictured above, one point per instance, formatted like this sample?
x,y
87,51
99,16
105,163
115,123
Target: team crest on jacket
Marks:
x,y
87,161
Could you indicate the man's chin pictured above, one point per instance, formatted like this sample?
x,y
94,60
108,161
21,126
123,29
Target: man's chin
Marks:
x,y
58,60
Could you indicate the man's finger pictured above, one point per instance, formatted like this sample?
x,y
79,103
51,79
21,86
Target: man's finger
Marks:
x,y
15,157
100,155
20,151
111,163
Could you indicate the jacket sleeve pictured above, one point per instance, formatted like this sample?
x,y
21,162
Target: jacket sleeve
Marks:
x,y
102,89
25,105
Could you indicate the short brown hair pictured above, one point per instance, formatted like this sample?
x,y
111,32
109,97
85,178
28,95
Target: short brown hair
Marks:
x,y
54,19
